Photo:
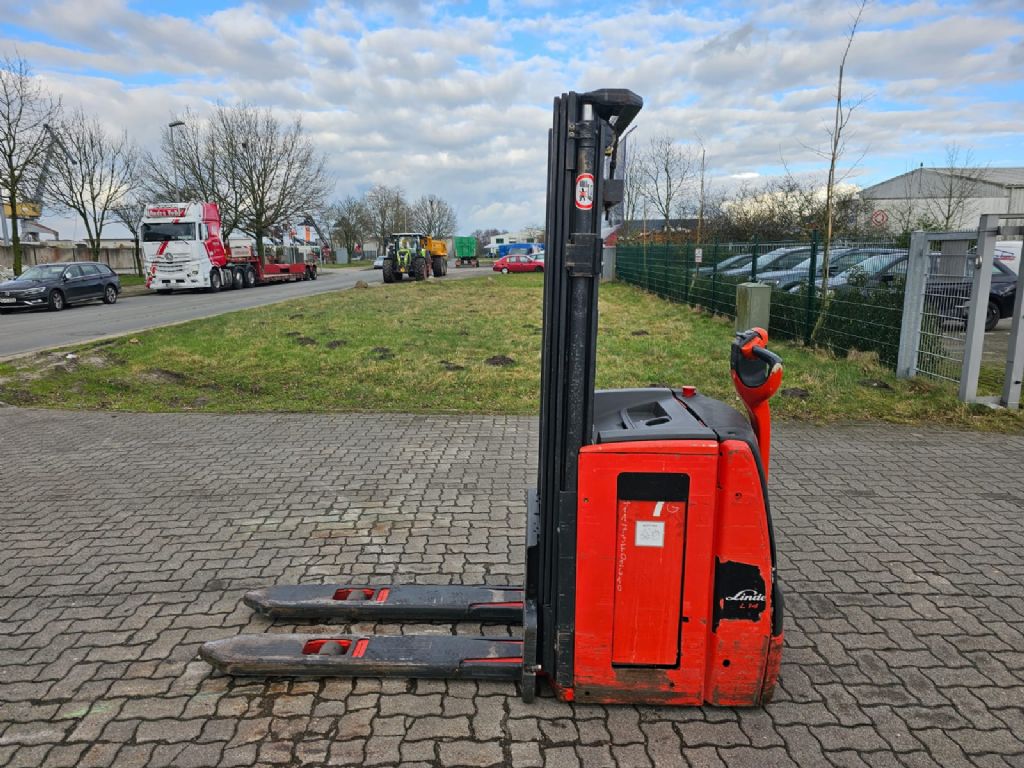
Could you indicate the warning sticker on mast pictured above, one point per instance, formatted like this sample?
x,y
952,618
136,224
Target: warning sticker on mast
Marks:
x,y
585,191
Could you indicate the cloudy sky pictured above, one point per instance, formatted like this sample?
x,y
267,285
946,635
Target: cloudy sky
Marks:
x,y
454,96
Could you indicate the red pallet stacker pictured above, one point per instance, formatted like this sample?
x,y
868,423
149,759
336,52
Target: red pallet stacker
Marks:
x,y
650,562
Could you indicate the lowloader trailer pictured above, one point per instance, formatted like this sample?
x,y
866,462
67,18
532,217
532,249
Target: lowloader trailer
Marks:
x,y
650,563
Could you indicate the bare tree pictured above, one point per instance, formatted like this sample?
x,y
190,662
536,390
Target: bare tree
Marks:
x,y
956,184
349,223
702,188
841,118
272,169
667,169
483,236
129,212
26,109
388,210
92,173
433,217
633,177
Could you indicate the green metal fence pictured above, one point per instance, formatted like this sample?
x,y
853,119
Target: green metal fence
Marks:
x,y
860,309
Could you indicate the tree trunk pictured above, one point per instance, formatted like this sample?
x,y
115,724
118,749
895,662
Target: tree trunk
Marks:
x,y
138,258
15,237
259,244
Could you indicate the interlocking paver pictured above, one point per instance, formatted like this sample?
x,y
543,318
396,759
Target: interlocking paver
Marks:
x,y
901,550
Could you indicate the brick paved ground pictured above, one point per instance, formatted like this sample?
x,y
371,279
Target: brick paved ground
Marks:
x,y
128,540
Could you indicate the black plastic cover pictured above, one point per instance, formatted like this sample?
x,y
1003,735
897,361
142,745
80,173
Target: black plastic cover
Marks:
x,y
627,415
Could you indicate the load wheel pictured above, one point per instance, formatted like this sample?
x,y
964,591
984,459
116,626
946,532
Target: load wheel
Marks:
x,y
419,268
250,278
437,266
214,281
389,271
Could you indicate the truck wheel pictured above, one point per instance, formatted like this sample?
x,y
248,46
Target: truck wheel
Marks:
x,y
389,271
419,268
314,273
214,281
991,316
250,278
237,280
437,265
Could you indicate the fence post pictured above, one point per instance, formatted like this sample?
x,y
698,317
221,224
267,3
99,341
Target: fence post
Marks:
x,y
714,279
812,274
913,305
981,282
686,272
753,263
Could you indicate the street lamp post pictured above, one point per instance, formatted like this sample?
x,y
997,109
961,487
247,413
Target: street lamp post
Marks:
x,y
174,155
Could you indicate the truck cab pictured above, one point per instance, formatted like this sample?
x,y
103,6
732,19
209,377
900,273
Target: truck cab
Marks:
x,y
182,246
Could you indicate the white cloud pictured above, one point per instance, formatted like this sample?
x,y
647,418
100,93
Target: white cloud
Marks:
x,y
435,98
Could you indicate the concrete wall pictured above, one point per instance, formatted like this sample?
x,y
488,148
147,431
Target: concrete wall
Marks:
x,y
120,258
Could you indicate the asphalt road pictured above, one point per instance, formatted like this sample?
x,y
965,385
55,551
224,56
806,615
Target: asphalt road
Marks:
x,y
24,332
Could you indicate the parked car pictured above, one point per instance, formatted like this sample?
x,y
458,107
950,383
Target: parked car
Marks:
x,y
736,261
953,293
56,286
779,259
882,267
519,263
840,260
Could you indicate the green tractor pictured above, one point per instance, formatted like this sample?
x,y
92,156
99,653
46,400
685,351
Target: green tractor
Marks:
x,y
416,255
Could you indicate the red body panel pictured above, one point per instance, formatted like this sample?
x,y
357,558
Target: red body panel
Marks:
x,y
652,624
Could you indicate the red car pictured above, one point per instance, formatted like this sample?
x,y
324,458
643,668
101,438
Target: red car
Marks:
x,y
519,262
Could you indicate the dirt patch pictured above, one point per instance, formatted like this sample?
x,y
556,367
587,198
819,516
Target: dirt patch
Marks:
x,y
874,384
382,353
641,332
306,341
293,334
296,317
500,361
448,365
162,376
335,343
797,392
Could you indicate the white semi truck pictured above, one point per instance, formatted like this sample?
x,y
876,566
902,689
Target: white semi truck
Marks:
x,y
182,248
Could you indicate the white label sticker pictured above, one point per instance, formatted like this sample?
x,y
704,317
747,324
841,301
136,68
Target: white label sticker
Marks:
x,y
698,255
650,534
585,191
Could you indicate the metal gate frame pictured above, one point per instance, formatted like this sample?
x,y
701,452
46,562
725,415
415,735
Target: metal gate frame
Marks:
x,y
990,227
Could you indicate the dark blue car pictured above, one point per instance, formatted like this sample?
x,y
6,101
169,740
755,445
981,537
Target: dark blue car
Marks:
x,y
55,286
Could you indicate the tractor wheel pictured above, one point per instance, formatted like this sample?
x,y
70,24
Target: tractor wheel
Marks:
x,y
389,271
437,265
419,268
237,280
214,281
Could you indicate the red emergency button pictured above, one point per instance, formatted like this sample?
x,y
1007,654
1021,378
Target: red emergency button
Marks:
x,y
689,391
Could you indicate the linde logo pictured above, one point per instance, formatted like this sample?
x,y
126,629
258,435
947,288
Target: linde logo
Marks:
x,y
164,211
746,596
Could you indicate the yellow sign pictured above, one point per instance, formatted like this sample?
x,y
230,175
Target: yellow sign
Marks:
x,y
25,210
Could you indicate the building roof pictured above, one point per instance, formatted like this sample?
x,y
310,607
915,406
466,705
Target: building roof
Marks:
x,y
996,177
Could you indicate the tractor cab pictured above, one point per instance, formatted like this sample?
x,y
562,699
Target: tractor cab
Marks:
x,y
407,254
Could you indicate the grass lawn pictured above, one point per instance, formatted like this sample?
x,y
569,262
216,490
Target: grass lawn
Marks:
x,y
127,280
443,346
